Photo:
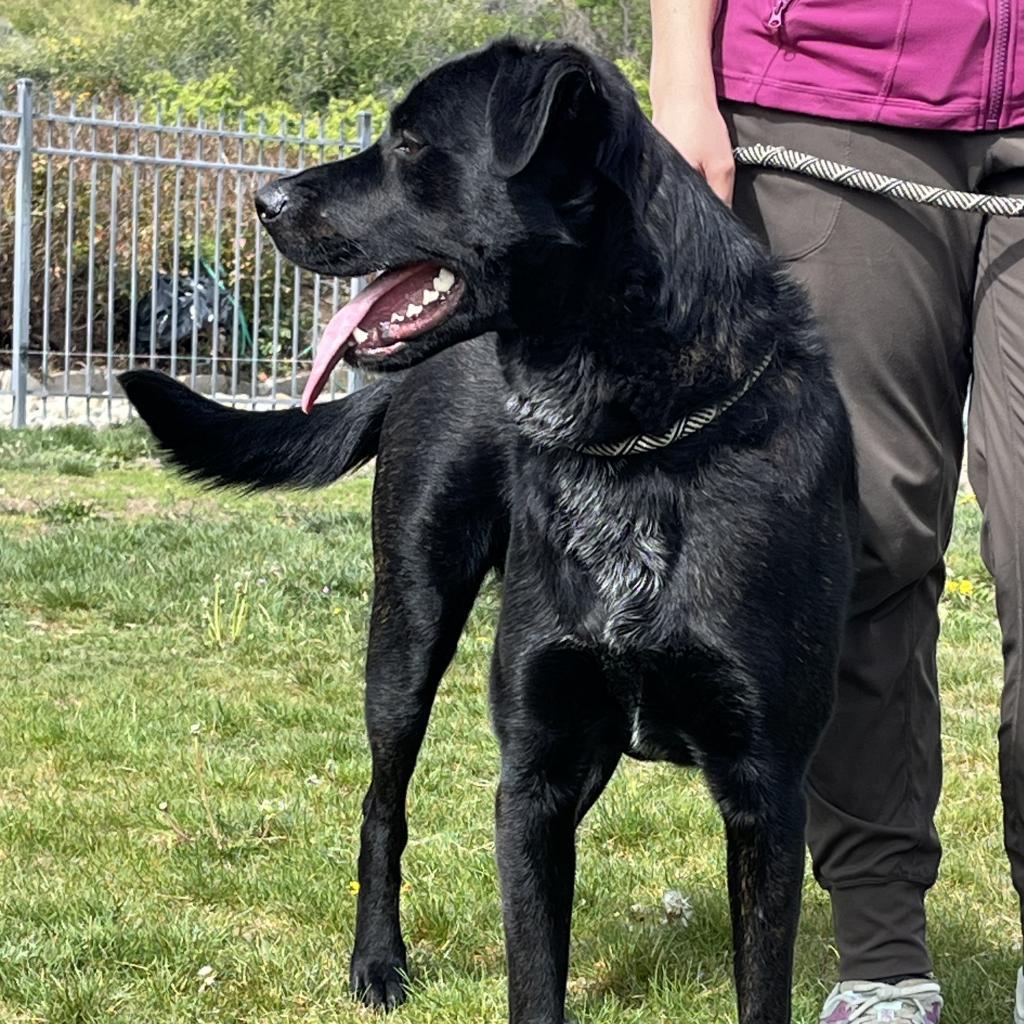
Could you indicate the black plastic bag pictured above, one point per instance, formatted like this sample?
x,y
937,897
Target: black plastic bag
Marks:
x,y
195,302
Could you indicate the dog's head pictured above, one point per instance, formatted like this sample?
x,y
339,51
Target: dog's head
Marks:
x,y
470,203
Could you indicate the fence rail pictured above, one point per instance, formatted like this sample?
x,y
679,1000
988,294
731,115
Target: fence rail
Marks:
x,y
128,242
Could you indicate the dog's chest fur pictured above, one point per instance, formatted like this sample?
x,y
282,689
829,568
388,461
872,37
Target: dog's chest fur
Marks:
x,y
620,535
623,538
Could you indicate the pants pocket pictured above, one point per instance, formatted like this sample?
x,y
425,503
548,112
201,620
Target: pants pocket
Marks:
x,y
812,207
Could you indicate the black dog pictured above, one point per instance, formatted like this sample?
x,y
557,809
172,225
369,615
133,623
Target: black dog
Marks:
x,y
651,432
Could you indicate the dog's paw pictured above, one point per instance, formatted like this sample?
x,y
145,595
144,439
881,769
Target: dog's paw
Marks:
x,y
379,982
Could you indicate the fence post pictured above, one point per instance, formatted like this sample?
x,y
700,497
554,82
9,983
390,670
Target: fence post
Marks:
x,y
22,254
364,126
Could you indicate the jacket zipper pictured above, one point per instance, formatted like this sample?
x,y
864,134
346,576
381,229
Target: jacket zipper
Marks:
x,y
999,61
778,14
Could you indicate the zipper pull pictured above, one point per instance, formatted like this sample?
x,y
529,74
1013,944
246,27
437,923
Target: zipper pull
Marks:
x,y
774,21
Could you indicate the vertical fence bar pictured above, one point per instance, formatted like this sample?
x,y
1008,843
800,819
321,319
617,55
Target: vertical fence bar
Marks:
x,y
257,268
115,188
364,125
237,290
297,281
197,230
218,202
69,255
154,257
278,266
133,283
44,374
22,254
176,240
90,298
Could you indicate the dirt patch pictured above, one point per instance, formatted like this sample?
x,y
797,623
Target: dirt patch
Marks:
x,y
186,508
10,506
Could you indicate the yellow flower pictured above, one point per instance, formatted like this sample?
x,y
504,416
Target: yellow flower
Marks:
x,y
353,887
959,585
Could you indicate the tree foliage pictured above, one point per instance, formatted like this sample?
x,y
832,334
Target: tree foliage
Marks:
x,y
285,54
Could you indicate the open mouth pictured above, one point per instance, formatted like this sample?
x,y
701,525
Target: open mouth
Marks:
x,y
398,306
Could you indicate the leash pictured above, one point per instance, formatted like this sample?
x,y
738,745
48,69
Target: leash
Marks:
x,y
689,424
781,159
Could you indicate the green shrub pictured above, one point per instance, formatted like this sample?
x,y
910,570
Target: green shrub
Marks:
x,y
279,57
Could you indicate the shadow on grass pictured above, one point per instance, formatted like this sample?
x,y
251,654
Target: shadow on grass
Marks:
x,y
617,962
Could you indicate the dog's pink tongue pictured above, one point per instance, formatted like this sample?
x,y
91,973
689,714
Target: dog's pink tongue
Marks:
x,y
339,330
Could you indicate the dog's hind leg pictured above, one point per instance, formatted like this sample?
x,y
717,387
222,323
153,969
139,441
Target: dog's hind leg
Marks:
x,y
764,825
418,615
559,748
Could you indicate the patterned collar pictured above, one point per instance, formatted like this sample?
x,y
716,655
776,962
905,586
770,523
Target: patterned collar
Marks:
x,y
689,424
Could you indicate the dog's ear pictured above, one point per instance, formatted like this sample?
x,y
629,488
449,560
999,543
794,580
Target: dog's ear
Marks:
x,y
525,98
565,89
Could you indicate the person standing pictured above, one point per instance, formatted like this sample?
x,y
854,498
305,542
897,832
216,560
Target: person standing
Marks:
x,y
918,304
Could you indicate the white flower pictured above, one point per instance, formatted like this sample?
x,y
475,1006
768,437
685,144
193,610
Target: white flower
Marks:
x,y
677,907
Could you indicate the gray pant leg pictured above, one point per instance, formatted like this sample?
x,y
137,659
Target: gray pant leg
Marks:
x,y
996,467
891,285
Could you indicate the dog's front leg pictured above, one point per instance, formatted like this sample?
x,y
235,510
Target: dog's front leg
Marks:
x,y
764,824
557,754
413,634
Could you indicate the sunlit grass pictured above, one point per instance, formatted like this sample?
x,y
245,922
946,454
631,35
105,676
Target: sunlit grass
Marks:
x,y
182,763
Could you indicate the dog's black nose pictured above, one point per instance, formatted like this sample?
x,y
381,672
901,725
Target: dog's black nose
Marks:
x,y
271,201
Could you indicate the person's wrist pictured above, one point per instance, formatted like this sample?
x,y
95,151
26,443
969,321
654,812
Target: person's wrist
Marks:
x,y
684,93
679,113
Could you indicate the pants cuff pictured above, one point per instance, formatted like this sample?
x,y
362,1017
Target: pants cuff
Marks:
x,y
880,931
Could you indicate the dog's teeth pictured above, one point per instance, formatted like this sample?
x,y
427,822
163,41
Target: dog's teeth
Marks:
x,y
429,297
413,309
360,336
397,318
444,280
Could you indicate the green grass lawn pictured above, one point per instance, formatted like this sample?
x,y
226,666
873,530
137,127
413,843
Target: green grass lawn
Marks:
x,y
182,763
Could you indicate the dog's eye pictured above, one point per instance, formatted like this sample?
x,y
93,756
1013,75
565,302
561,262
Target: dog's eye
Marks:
x,y
408,144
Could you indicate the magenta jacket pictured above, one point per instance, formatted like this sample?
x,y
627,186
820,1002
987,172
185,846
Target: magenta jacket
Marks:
x,y
951,64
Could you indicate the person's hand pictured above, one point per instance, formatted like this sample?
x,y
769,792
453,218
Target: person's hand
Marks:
x,y
698,131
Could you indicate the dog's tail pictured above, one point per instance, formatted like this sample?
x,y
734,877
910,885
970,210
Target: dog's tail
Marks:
x,y
255,450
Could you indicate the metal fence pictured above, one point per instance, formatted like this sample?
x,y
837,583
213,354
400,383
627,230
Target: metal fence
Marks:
x,y
130,241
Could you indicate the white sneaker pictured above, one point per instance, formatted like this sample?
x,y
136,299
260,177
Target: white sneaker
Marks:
x,y
1018,1003
913,1001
